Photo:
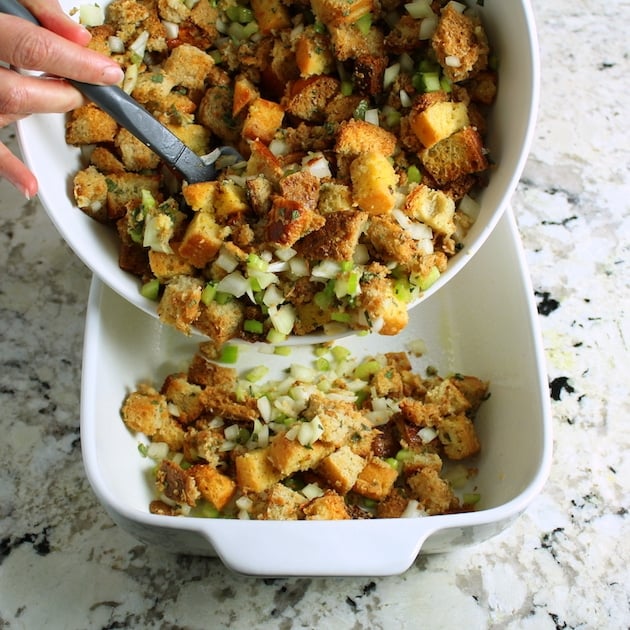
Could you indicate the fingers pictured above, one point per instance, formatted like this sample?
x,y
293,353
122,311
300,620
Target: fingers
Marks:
x,y
52,16
21,95
14,171
31,47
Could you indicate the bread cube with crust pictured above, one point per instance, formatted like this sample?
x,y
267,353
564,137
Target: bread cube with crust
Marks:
x,y
289,221
376,480
188,66
341,469
312,53
185,396
337,239
433,493
124,191
329,507
176,484
89,124
438,121
136,156
220,322
244,93
200,195
271,15
263,119
146,411
374,183
214,486
281,504
89,188
255,472
167,266
460,44
202,240
289,456
460,154
357,136
229,200
179,305
458,437
334,12
448,397
204,372
379,302
432,207
307,98
350,42
204,444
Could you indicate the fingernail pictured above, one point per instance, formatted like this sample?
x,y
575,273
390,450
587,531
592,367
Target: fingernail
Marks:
x,y
113,74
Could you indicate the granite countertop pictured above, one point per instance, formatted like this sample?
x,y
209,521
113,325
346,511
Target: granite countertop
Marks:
x,y
561,564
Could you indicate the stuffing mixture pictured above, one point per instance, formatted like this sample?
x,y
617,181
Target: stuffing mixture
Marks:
x,y
361,124
338,439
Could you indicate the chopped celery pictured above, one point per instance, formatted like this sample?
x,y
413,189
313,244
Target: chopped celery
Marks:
x,y
283,351
322,364
339,316
340,353
253,326
366,369
470,498
424,282
257,373
208,293
150,289
364,23
413,174
228,354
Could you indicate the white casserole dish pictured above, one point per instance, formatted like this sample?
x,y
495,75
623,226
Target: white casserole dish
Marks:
x,y
484,323
511,29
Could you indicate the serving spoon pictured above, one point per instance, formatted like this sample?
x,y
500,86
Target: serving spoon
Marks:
x,y
128,113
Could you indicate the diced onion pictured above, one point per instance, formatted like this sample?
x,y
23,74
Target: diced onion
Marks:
x,y
419,9
139,45
317,165
312,491
157,450
427,434
428,26
171,28
413,510
91,15
371,116
244,503
278,147
116,45
264,407
405,99
458,6
226,261
452,61
283,318
234,283
390,74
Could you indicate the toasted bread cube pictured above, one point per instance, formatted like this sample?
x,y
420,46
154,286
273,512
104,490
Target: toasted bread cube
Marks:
x,y
204,444
329,507
213,486
449,397
105,161
289,456
244,93
90,193
379,300
254,471
309,97
357,136
334,197
188,66
349,42
221,322
271,15
439,121
229,199
179,305
458,437
459,37
312,53
204,372
432,207
185,396
376,480
393,506
431,491
174,482
263,119
281,504
166,266
339,419
473,388
200,195
195,137
146,411
136,156
124,190
341,469
173,11
460,154
332,12
204,15
288,221
374,182
337,239
263,162
151,91
301,186
90,125
202,240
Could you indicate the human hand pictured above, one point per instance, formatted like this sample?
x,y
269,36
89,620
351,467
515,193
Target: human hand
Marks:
x,y
57,48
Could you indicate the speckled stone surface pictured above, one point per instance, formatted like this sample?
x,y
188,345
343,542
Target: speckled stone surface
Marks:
x,y
562,564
